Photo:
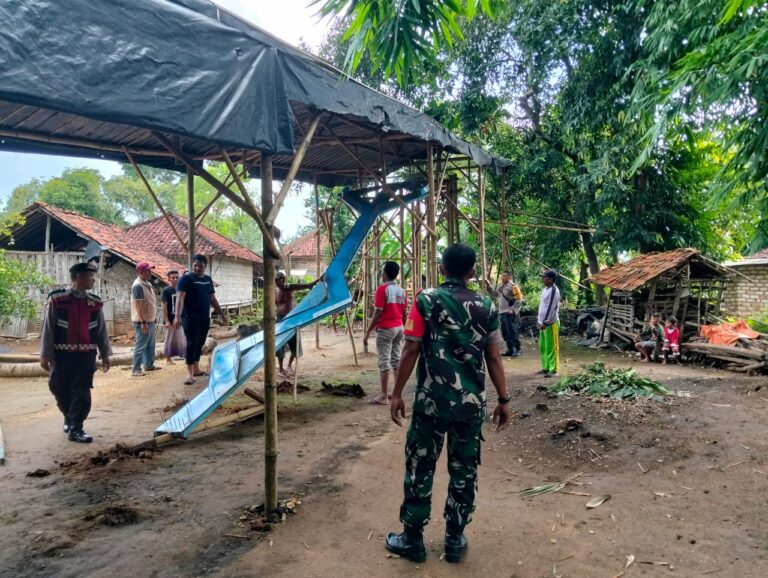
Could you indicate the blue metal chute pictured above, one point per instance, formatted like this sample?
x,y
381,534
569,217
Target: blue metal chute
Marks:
x,y
234,362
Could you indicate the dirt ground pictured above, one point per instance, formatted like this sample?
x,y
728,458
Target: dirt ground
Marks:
x,y
687,481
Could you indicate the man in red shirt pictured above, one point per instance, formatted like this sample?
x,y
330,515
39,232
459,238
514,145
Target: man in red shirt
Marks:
x,y
390,304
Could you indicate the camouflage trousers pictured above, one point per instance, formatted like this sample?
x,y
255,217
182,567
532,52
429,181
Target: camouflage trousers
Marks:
x,y
423,445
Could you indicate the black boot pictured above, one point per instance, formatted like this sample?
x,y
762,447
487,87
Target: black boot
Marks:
x,y
76,434
455,544
66,426
409,544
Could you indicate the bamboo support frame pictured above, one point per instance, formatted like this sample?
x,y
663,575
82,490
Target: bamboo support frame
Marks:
x,y
483,257
377,177
269,321
295,166
157,202
241,203
191,215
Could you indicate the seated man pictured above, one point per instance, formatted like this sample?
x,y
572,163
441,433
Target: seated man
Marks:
x,y
650,338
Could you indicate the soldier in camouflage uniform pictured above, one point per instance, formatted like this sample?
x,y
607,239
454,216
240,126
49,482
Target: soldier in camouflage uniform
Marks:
x,y
451,330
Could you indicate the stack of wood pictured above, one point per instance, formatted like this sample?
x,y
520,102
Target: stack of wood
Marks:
x,y
745,356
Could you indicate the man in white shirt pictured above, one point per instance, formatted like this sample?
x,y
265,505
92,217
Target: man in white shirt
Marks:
x,y
549,325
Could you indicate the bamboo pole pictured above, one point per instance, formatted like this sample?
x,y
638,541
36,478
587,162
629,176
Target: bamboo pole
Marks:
x,y
296,367
460,213
483,256
295,165
328,223
270,391
401,231
191,217
317,248
377,177
538,226
158,204
244,204
503,214
431,252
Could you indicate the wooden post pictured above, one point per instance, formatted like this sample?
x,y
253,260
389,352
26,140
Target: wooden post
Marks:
x,y
317,248
48,256
191,217
270,391
47,233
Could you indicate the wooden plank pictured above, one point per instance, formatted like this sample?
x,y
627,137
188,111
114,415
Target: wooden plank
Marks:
x,y
712,348
253,394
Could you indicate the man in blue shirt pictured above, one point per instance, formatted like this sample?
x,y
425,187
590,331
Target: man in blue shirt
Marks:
x,y
194,297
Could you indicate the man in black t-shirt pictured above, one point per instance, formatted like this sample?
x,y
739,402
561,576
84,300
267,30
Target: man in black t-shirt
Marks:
x,y
194,297
168,299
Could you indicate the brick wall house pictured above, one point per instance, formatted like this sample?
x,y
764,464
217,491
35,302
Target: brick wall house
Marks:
x,y
748,297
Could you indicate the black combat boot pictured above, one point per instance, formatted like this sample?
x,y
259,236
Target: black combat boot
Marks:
x,y
76,434
409,544
455,543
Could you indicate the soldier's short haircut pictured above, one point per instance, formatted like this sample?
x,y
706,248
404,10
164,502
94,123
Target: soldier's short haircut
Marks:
x,y
391,270
458,260
200,258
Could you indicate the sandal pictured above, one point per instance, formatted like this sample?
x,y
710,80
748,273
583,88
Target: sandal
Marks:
x,y
189,381
376,400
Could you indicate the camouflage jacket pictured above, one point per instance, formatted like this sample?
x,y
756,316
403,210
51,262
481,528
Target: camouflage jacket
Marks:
x,y
453,325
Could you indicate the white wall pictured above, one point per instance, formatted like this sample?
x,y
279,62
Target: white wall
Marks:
x,y
235,279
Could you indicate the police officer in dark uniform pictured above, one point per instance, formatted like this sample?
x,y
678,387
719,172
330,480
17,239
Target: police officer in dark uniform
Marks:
x,y
73,330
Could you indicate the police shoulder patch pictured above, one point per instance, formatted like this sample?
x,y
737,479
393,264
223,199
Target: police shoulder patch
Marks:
x,y
56,293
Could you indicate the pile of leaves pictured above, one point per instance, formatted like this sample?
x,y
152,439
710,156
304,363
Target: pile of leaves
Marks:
x,y
598,380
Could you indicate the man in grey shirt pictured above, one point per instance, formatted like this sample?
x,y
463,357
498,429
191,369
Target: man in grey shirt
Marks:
x,y
73,330
510,303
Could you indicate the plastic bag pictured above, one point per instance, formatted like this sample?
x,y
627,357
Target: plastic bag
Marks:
x,y
175,342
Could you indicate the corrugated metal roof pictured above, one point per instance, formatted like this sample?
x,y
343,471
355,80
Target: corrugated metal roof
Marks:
x,y
636,272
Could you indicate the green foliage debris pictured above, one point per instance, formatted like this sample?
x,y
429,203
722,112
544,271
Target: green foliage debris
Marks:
x,y
598,380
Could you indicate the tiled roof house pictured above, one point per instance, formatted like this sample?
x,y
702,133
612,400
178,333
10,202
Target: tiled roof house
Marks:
x,y
231,265
300,255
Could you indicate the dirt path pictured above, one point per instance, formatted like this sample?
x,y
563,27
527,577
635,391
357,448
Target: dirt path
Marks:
x,y
687,482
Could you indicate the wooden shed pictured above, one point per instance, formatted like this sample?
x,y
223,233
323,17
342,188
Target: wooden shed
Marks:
x,y
54,239
681,282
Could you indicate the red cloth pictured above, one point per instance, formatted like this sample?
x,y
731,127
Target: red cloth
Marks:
x,y
415,325
728,333
392,301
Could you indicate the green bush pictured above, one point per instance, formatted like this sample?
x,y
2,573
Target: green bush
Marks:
x,y
17,280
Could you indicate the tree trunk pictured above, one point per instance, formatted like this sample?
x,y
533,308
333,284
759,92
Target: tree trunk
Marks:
x,y
594,264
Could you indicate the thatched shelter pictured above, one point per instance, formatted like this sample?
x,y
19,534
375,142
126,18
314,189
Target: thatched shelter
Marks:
x,y
681,282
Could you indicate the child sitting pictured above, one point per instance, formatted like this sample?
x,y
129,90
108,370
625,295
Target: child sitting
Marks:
x,y
671,339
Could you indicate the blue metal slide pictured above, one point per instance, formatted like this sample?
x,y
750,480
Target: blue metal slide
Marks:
x,y
234,362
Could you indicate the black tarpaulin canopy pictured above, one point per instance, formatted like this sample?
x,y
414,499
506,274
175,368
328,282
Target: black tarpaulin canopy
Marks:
x,y
88,79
